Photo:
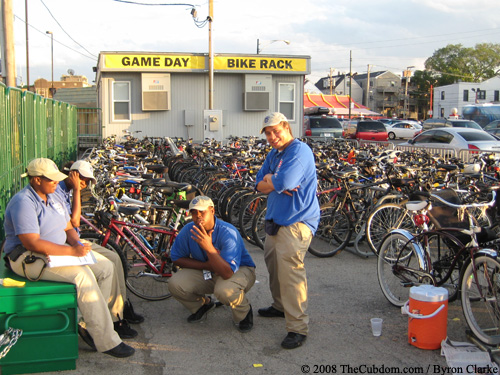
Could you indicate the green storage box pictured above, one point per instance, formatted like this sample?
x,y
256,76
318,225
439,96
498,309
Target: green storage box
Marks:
x,y
46,311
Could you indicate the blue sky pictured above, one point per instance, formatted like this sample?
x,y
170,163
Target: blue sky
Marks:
x,y
385,34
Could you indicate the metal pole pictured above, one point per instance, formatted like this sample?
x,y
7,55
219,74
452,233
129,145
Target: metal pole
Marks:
x,y
258,46
51,60
210,57
27,47
8,47
350,83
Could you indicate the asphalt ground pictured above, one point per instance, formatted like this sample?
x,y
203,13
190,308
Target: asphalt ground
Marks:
x,y
343,295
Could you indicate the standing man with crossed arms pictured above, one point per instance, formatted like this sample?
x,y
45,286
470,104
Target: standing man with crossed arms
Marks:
x,y
288,176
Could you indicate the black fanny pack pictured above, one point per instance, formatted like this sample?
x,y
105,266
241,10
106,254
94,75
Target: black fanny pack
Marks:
x,y
272,228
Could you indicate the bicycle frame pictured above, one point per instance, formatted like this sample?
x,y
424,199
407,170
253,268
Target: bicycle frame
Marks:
x,y
158,266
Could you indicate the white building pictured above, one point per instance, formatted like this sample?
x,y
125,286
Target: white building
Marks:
x,y
460,94
167,94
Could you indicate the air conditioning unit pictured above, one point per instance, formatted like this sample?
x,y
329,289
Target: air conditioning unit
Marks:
x,y
257,96
155,92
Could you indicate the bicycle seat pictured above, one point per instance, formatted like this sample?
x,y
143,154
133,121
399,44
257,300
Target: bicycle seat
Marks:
x,y
158,168
129,210
416,205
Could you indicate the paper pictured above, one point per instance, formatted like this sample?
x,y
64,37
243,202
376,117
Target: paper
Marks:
x,y
68,260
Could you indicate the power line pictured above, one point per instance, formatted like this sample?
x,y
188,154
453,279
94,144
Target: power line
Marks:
x,y
93,58
62,28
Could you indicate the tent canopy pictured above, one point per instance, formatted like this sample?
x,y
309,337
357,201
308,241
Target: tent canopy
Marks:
x,y
338,104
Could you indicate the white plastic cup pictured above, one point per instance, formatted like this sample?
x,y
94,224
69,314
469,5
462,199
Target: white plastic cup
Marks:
x,y
376,326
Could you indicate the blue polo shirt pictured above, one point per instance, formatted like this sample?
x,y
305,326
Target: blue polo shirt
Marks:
x,y
292,167
225,238
64,194
28,213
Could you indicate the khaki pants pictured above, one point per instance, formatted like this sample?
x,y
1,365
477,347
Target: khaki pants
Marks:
x,y
284,255
97,293
189,288
117,262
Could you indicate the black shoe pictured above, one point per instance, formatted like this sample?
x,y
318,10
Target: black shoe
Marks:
x,y
85,335
293,340
123,329
201,313
246,324
271,312
121,351
130,315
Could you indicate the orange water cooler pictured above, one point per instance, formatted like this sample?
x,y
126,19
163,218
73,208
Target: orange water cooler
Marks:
x,y
427,311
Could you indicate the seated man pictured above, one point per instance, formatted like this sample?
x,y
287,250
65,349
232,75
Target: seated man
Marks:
x,y
36,227
80,175
213,259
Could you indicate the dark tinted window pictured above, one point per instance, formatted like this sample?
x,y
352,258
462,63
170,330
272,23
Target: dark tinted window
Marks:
x,y
442,137
325,122
425,137
371,126
476,136
466,124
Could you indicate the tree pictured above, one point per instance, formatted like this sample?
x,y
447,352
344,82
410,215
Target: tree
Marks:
x,y
457,63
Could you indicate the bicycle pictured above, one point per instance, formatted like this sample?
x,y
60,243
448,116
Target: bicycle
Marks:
x,y
145,250
439,257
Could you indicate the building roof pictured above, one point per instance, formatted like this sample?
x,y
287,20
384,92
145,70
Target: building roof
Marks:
x,y
339,104
80,96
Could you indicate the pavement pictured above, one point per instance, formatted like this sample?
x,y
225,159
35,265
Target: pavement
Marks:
x,y
343,295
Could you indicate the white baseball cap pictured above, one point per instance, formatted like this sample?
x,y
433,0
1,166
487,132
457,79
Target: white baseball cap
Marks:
x,y
200,203
46,168
273,119
84,168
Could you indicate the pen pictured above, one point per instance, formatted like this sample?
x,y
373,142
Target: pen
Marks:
x,y
80,243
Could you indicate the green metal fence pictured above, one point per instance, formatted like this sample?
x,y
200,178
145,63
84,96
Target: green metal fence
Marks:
x,y
31,126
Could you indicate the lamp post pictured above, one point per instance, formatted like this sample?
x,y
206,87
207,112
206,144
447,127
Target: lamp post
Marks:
x,y
407,75
259,48
51,60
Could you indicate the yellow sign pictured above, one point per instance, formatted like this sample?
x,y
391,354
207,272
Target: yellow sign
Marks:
x,y
270,64
133,61
200,62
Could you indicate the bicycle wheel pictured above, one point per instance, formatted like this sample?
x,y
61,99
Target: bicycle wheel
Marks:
x,y
481,298
142,280
384,219
399,267
333,234
249,208
97,239
443,250
259,227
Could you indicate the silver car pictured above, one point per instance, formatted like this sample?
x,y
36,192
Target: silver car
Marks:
x,y
456,138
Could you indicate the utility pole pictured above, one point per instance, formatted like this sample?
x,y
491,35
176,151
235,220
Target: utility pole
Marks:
x,y
367,100
350,83
8,44
210,56
331,83
27,46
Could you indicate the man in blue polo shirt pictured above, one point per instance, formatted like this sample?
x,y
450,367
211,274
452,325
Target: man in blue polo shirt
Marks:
x,y
213,259
38,226
288,176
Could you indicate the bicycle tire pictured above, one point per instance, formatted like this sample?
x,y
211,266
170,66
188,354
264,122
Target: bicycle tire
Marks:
x,y
481,298
333,234
234,206
384,219
250,207
398,267
443,249
259,227
141,280
97,238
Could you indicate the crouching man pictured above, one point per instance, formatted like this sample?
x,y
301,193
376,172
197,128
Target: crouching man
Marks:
x,y
213,260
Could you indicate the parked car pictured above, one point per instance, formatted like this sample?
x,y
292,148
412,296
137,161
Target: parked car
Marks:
x,y
492,125
456,138
403,129
433,123
319,123
494,131
367,130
